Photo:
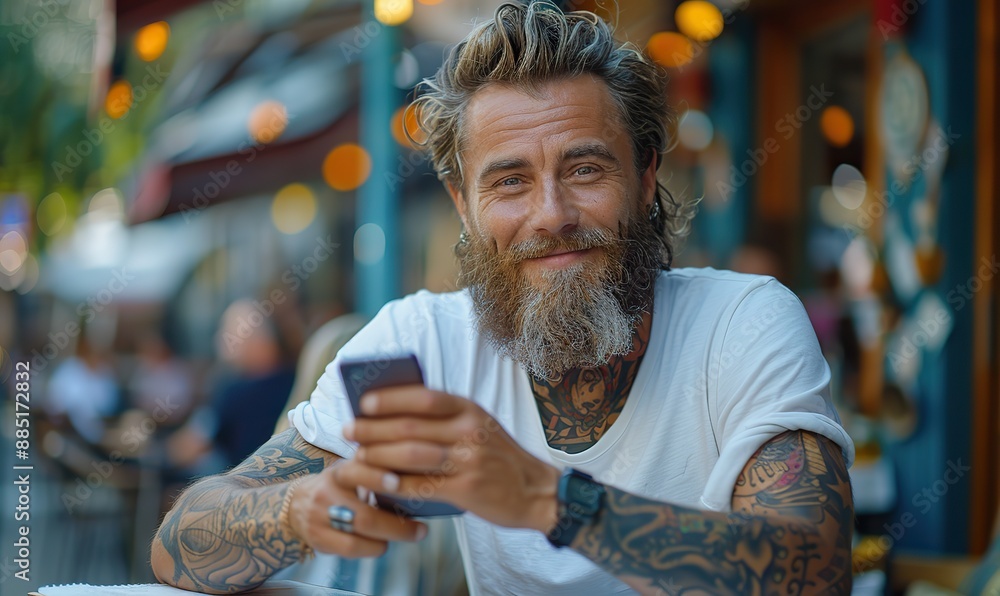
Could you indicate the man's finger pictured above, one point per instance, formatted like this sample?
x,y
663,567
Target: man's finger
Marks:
x,y
368,431
414,457
348,545
411,400
428,486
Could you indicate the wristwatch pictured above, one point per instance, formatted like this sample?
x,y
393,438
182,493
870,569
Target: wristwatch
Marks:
x,y
581,499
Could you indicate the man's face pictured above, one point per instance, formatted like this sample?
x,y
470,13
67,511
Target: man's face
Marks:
x,y
556,213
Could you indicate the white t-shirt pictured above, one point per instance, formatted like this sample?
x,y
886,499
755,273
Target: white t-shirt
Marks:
x,y
732,361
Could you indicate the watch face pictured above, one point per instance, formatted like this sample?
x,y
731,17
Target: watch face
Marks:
x,y
584,495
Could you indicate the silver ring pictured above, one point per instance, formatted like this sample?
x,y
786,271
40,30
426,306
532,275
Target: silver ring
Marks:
x,y
341,518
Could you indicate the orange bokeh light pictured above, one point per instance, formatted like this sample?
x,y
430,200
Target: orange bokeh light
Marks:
x,y
267,121
347,167
151,40
837,126
119,99
412,127
699,20
670,49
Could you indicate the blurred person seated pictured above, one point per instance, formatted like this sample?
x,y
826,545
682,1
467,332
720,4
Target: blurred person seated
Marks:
x,y
607,423
84,391
245,405
162,385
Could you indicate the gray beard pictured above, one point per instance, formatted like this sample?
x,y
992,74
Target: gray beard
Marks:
x,y
569,324
577,317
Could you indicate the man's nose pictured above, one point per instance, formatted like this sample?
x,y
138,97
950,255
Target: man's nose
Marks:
x,y
554,211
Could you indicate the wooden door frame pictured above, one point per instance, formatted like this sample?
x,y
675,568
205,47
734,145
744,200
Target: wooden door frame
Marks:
x,y
782,32
985,488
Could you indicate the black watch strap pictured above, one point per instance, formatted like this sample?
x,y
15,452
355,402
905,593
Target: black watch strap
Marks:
x,y
581,499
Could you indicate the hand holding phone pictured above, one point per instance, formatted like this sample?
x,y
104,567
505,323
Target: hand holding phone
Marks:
x,y
360,376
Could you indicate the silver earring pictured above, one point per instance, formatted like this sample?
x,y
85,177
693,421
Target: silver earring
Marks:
x,y
463,238
654,211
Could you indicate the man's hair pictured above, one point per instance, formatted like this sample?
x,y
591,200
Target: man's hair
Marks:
x,y
527,45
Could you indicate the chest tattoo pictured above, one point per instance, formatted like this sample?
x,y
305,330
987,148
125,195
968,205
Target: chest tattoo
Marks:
x,y
578,409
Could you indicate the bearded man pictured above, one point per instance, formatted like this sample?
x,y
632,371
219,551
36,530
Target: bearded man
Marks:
x,y
607,423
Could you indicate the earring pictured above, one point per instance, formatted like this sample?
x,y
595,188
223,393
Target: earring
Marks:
x,y
463,238
654,211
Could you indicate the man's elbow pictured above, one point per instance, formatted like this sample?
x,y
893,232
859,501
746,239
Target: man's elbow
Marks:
x,y
162,564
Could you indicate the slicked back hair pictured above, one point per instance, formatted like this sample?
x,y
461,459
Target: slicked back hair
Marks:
x,y
528,45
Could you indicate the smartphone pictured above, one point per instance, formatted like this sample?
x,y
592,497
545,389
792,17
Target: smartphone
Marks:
x,y
361,376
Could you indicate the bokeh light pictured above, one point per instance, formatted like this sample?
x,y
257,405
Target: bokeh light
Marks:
x,y
151,40
369,244
837,126
857,266
669,49
408,118
107,203
430,2
695,130
13,250
119,99
293,208
699,20
51,214
849,186
267,121
393,12
347,167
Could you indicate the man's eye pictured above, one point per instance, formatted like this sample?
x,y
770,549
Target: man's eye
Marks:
x,y
584,170
510,182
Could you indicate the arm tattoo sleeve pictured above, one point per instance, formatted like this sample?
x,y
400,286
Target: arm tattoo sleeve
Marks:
x,y
789,532
223,535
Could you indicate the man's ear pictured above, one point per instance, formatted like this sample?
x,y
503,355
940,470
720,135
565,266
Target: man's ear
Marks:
x,y
648,180
458,198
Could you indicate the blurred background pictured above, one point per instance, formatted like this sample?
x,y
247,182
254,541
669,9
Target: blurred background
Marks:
x,y
201,200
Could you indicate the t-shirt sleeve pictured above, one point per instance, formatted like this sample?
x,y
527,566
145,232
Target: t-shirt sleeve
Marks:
x,y
321,419
766,376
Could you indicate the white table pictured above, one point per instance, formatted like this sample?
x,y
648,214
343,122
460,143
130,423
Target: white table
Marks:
x,y
270,588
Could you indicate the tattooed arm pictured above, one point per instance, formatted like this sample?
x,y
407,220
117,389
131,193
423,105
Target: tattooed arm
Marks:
x,y
222,534
789,533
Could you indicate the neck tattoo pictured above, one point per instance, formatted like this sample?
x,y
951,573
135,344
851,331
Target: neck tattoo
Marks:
x,y
578,408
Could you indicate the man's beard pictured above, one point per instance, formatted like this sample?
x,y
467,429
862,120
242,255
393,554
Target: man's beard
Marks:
x,y
579,316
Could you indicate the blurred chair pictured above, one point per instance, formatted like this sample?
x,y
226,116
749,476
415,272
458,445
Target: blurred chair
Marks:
x,y
425,568
319,351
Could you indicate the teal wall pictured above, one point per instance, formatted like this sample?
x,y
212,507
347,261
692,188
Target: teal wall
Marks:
x,y
941,38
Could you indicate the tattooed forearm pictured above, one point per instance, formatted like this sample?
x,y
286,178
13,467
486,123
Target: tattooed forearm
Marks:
x,y
789,532
223,533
